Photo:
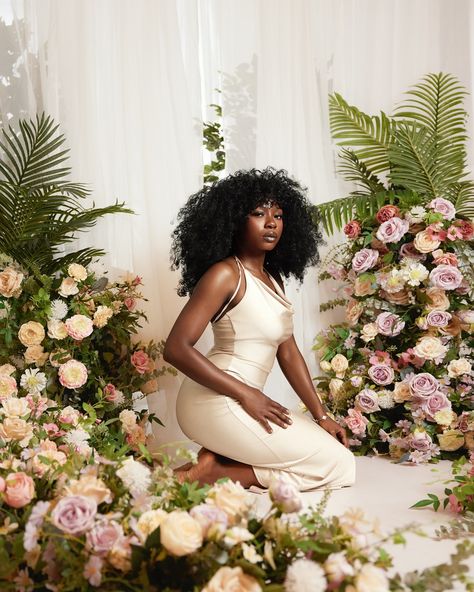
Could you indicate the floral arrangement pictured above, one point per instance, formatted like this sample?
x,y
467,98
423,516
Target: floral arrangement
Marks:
x,y
68,337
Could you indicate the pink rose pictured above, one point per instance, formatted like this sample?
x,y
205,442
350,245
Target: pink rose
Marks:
x,y
20,489
409,251
436,232
438,318
410,358
441,258
356,422
72,374
389,324
110,392
434,403
103,535
285,495
141,362
444,207
453,233
352,229
367,401
392,230
74,514
380,357
381,374
446,277
423,385
364,260
419,440
387,212
130,303
467,229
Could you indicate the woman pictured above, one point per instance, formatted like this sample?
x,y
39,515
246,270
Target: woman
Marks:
x,y
233,242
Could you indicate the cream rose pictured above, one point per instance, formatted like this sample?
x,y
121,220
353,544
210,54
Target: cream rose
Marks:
x,y
437,299
232,579
401,392
90,486
77,272
335,385
10,282
57,329
8,386
424,243
15,428
459,367
102,315
68,287
371,579
180,533
148,522
339,364
31,333
325,366
128,419
7,370
369,332
230,497
353,311
35,354
451,440
430,348
15,407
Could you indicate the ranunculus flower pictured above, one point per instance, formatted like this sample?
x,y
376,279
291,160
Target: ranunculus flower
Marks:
x,y
367,401
79,327
444,207
180,533
423,385
437,299
74,514
141,361
103,535
352,229
19,490
68,287
436,402
72,374
392,230
8,386
430,348
446,277
389,324
31,333
77,272
231,579
381,374
364,259
10,282
459,367
425,242
356,422
285,495
438,318
387,212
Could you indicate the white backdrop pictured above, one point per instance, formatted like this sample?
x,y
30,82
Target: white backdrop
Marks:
x,y
131,80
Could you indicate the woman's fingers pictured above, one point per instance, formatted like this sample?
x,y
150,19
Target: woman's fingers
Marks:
x,y
282,413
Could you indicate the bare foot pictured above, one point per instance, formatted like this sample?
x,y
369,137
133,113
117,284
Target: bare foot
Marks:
x,y
200,471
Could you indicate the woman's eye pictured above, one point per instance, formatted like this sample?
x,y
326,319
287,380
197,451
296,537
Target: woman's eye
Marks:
x,y
279,216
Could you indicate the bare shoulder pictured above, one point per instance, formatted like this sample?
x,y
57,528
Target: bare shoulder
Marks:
x,y
221,276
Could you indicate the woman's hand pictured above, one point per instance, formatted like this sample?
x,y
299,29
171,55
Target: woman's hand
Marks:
x,y
263,409
333,428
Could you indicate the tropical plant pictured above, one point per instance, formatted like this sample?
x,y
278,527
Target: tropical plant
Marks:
x,y
213,142
40,210
419,149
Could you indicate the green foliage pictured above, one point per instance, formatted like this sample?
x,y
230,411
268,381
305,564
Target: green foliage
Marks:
x,y
213,142
40,210
421,148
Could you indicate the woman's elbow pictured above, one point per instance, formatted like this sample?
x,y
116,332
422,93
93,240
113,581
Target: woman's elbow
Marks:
x,y
174,352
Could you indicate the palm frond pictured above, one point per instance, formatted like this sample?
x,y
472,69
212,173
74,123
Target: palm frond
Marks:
x,y
369,136
436,103
462,196
356,171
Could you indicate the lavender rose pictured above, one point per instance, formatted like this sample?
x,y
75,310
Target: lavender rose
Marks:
x,y
364,259
285,495
446,277
420,440
438,318
367,401
74,514
392,230
444,207
436,402
103,536
423,385
381,374
389,324
409,251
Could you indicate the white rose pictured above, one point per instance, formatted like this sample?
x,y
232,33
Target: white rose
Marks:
x,y
15,407
335,385
180,533
232,579
148,522
230,497
77,272
128,419
68,287
371,579
369,332
459,367
430,348
325,366
339,364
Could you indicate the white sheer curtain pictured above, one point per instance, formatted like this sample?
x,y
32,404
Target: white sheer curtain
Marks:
x,y
130,81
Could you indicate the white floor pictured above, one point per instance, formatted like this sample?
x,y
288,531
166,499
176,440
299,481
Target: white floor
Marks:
x,y
386,491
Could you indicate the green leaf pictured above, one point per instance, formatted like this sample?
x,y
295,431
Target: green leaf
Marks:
x,y
422,503
90,411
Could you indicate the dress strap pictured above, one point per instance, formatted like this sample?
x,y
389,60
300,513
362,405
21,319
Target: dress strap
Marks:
x,y
223,311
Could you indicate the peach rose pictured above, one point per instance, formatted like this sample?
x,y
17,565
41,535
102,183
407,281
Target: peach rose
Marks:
x,y
68,287
425,243
15,428
57,329
15,407
180,533
90,486
10,282
77,272
31,333
102,315
20,489
353,311
401,392
363,286
8,386
231,579
402,297
437,299
35,354
429,348
7,369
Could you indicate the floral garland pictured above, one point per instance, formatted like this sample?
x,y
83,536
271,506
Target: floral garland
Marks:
x,y
400,369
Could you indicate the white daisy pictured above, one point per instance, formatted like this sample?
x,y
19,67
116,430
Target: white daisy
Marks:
x,y
58,309
33,381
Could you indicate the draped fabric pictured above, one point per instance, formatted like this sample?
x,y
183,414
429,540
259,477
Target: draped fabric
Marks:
x,y
130,82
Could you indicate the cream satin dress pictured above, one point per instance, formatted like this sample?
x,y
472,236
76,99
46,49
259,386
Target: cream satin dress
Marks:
x,y
246,339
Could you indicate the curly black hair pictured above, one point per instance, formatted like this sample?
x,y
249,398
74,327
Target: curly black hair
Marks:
x,y
212,217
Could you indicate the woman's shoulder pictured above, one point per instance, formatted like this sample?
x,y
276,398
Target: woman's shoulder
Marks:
x,y
221,274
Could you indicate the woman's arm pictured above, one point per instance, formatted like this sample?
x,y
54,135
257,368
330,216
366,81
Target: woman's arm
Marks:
x,y
296,372
209,295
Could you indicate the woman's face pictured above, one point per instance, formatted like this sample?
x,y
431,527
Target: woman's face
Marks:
x,y
262,229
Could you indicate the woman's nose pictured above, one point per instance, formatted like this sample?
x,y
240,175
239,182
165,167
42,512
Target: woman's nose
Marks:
x,y
270,221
